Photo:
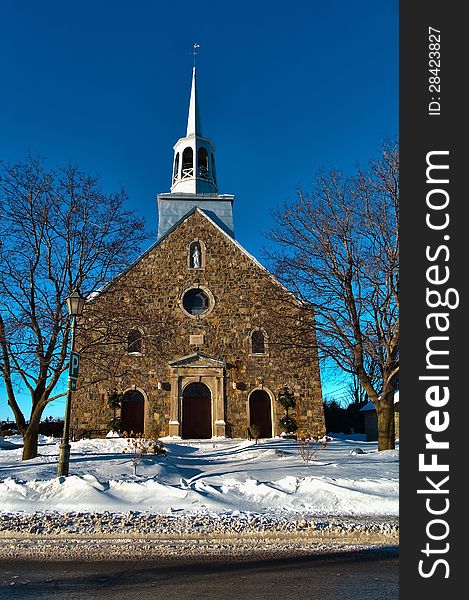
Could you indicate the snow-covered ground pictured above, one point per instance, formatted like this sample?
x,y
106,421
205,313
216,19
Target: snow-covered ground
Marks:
x,y
215,476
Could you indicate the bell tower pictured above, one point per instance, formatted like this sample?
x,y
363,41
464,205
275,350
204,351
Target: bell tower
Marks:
x,y
194,180
194,155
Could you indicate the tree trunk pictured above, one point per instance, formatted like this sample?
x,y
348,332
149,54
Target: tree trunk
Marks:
x,y
385,412
30,439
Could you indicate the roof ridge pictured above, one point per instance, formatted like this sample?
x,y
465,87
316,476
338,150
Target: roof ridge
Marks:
x,y
173,228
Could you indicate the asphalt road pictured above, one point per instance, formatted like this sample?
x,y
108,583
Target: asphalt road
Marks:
x,y
364,575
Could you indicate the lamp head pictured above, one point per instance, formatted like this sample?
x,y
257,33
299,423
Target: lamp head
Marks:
x,y
75,304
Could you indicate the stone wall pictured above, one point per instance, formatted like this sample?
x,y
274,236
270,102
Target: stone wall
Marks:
x,y
148,296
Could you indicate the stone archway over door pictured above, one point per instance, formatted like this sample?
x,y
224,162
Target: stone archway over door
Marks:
x,y
196,412
260,412
133,412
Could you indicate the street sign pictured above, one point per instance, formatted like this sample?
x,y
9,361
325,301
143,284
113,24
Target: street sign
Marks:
x,y
73,384
74,365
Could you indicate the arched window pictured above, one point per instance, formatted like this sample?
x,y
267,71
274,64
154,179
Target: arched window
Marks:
x,y
134,342
195,256
176,167
187,163
202,158
214,174
258,342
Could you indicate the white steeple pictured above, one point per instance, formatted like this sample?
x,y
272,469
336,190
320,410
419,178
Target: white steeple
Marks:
x,y
194,182
193,119
194,155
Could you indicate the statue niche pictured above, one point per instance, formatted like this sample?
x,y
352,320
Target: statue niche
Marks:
x,y
195,256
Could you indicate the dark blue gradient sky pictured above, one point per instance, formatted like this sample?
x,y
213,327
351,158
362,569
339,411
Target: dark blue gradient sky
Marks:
x,y
285,89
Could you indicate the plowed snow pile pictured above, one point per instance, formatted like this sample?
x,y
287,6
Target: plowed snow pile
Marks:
x,y
203,476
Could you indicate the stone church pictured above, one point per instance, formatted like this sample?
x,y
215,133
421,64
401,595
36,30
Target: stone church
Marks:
x,y
198,351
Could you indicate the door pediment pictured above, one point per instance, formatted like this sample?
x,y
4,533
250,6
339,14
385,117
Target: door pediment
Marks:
x,y
197,360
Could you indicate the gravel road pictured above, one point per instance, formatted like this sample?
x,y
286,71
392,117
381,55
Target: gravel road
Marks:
x,y
144,536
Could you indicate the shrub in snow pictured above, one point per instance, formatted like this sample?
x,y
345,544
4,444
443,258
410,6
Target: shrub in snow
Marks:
x,y
139,446
309,446
7,432
287,399
288,424
255,431
114,401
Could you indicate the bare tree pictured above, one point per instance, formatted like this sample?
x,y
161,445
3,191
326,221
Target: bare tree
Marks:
x,y
338,252
356,392
59,232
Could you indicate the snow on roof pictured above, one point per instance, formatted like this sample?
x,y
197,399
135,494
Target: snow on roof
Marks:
x,y
371,406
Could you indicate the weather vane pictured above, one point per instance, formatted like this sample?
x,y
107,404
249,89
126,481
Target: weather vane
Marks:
x,y
194,51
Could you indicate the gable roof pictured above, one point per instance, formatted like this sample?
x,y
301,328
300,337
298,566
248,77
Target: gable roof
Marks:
x,y
168,233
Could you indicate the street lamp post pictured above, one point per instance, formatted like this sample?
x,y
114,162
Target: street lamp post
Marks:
x,y
75,304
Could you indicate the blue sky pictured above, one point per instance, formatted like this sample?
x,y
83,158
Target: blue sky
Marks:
x,y
284,90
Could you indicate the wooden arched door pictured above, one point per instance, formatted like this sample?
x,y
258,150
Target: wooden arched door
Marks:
x,y
260,412
133,412
196,412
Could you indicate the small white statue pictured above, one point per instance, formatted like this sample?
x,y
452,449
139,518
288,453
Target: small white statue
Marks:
x,y
196,257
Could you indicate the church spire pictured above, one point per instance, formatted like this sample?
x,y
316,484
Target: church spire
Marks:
x,y
194,182
193,119
194,155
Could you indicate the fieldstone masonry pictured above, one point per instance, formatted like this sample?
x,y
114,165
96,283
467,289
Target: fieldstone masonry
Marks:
x,y
179,349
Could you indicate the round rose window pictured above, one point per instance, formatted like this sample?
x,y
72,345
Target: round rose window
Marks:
x,y
196,302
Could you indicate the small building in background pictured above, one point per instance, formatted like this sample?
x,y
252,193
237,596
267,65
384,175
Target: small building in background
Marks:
x,y
370,418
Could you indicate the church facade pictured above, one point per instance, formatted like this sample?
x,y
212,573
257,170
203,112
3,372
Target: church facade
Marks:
x,y
197,346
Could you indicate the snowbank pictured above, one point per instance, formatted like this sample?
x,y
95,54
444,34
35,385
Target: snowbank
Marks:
x,y
203,476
